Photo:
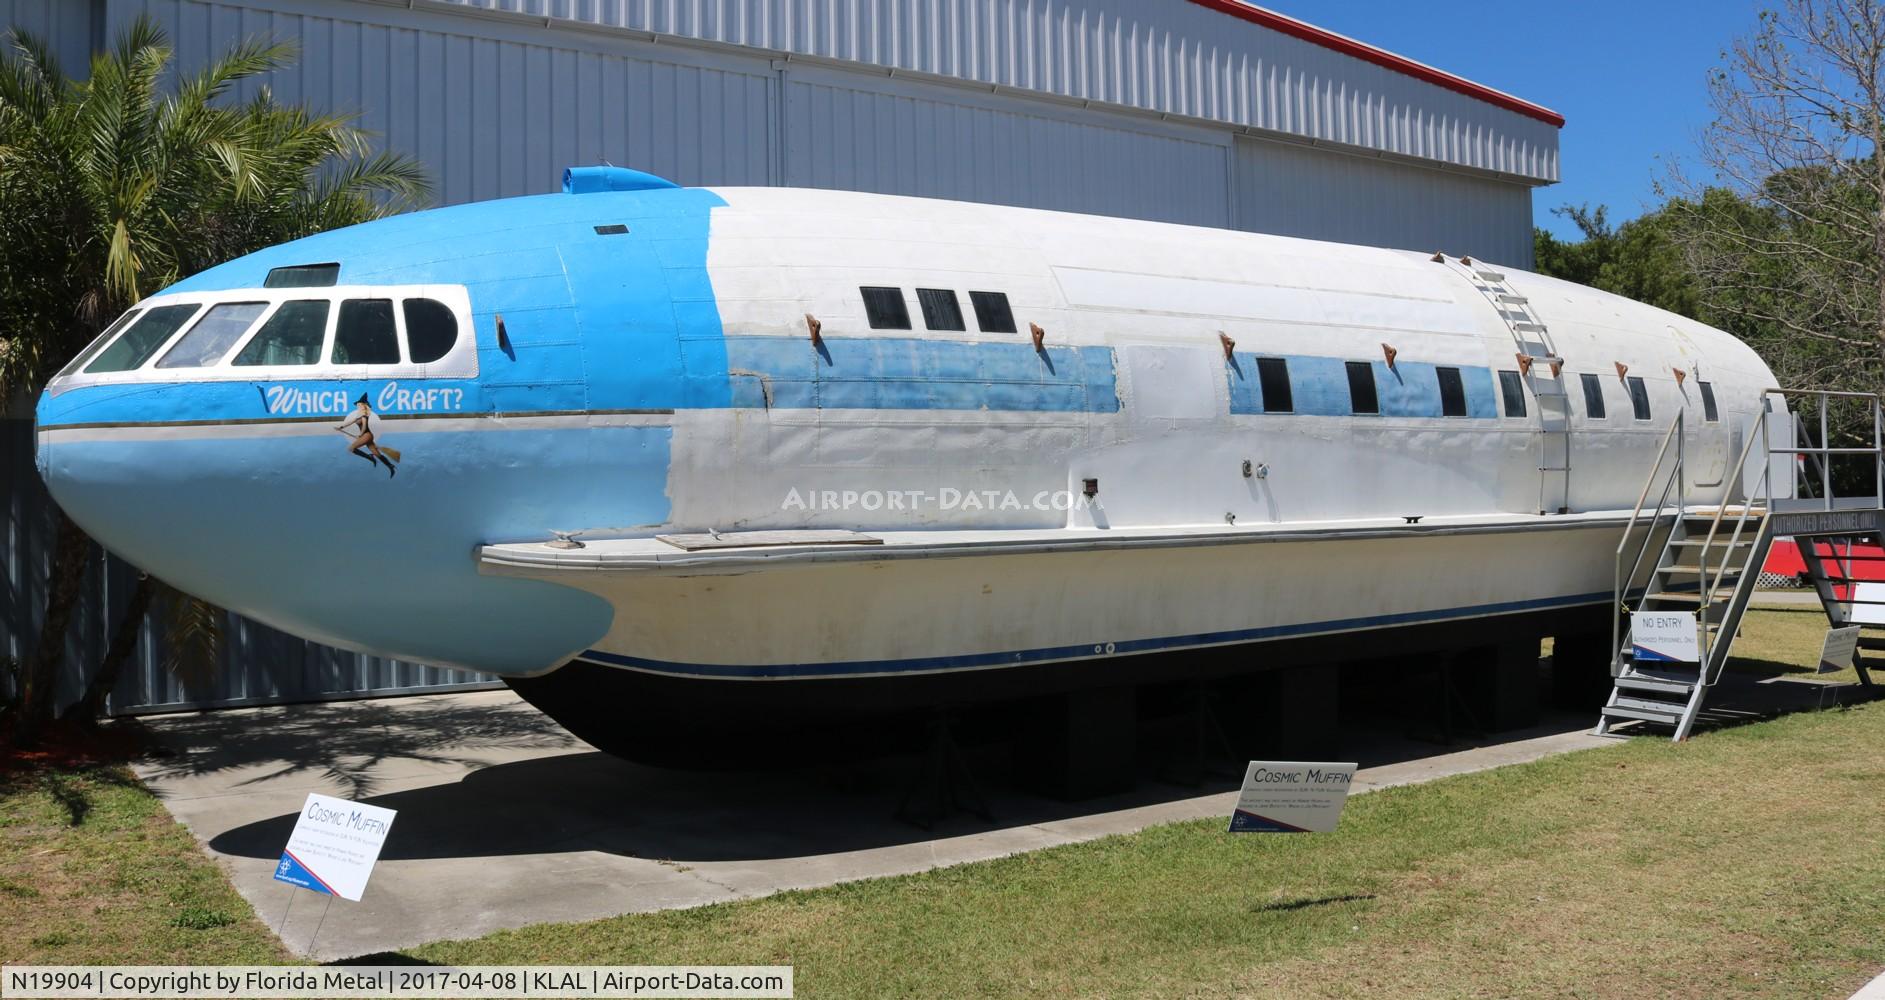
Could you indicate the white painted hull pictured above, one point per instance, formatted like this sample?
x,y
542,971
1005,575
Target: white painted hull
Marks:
x,y
921,604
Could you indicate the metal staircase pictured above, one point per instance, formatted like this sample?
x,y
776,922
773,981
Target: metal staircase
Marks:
x,y
1708,558
1543,371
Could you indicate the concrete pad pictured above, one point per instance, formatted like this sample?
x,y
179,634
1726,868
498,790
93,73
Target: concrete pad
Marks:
x,y
505,820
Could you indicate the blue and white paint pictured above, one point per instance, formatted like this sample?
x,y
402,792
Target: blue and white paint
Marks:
x,y
637,360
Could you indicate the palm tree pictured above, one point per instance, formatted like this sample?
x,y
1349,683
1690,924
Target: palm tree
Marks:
x,y
121,184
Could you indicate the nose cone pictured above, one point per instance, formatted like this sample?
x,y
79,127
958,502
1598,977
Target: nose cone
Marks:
x,y
268,490
283,523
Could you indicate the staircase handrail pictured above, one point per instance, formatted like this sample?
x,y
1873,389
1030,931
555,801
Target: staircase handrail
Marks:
x,y
1623,580
1762,495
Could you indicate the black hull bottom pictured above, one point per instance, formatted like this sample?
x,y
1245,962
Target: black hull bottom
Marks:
x,y
720,724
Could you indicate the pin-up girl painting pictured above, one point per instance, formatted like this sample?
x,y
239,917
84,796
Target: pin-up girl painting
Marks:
x,y
364,443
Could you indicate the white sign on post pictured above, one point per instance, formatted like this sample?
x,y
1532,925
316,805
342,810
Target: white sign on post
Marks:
x,y
1837,651
1664,637
334,846
1283,796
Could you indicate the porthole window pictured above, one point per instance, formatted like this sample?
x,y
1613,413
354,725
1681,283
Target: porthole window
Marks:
x,y
1452,392
1593,396
991,312
142,339
1639,397
941,311
431,330
1512,389
292,336
365,334
1362,397
1709,413
98,343
1273,381
213,335
885,308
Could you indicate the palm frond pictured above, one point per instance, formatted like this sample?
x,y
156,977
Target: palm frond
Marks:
x,y
192,637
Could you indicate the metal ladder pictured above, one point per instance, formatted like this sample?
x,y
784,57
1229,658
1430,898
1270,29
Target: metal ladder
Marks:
x,y
1708,559
1535,347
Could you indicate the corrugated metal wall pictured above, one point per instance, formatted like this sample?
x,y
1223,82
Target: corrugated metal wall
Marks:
x,y
899,138
1304,191
66,25
1169,56
497,107
496,104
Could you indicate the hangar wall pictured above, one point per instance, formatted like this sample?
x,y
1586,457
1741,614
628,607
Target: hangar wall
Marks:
x,y
497,104
1172,110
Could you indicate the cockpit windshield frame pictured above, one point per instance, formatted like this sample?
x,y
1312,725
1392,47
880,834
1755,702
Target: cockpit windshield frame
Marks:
x,y
460,361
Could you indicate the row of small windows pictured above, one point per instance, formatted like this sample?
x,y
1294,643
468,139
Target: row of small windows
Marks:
x,y
365,333
886,309
1364,397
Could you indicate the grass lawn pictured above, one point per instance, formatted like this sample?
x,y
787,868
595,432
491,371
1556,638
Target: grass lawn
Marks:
x,y
1733,864
1775,642
94,871
1739,863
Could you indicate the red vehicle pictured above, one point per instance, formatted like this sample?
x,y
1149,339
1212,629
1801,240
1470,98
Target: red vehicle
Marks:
x,y
1856,561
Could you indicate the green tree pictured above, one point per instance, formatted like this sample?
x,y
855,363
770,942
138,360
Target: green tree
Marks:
x,y
118,185
1641,259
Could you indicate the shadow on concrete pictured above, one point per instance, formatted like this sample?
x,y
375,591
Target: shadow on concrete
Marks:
x,y
554,801
595,802
346,742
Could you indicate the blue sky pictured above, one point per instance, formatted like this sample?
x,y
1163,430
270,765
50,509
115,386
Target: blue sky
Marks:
x,y
1629,77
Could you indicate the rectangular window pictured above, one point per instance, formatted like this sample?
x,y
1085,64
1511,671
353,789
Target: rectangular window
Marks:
x,y
1273,380
941,311
365,334
1639,397
303,276
1362,397
142,339
1593,396
1512,388
885,308
290,337
1452,392
991,312
213,335
1709,412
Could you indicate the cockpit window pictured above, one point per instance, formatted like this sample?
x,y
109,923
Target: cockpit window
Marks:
x,y
365,334
290,337
142,339
213,335
98,344
431,329
303,276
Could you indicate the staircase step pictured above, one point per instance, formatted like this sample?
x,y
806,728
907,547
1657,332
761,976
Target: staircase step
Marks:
x,y
1871,641
1620,712
1659,685
1489,276
1696,543
1689,596
1728,576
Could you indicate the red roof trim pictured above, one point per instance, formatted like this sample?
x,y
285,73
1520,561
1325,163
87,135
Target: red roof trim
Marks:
x,y
1381,57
